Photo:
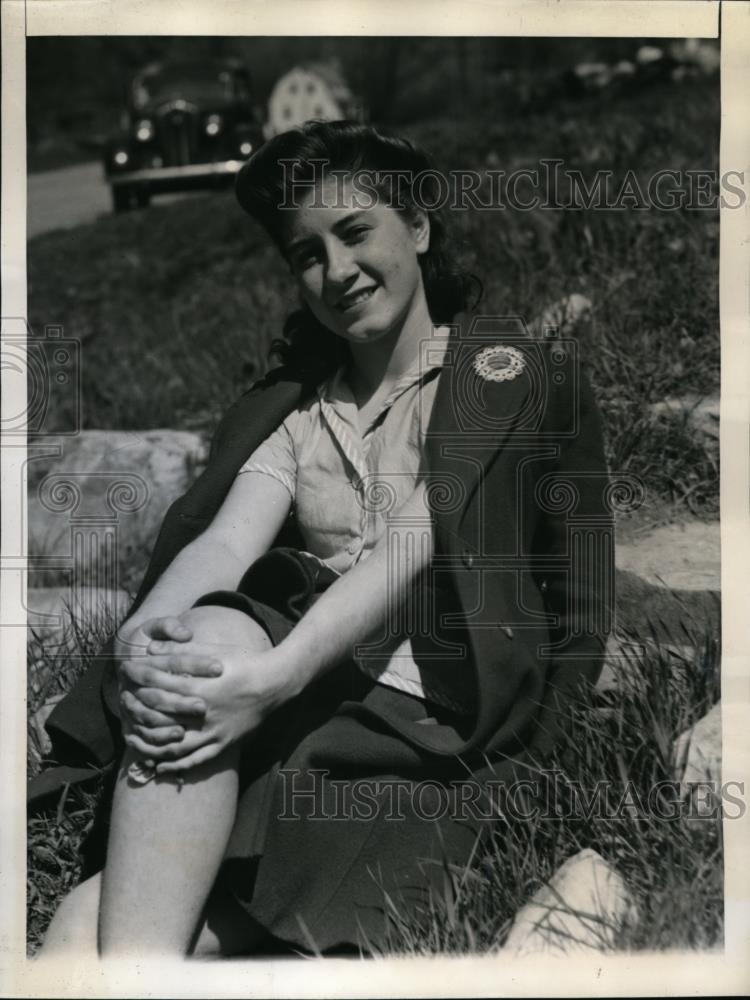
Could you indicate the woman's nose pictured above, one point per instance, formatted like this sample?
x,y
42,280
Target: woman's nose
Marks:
x,y
341,265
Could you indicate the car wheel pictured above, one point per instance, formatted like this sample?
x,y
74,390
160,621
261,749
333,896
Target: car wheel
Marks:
x,y
121,198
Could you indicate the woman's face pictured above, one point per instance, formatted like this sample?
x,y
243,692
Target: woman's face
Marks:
x,y
357,269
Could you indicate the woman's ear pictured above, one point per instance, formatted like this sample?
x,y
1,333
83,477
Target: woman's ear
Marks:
x,y
420,226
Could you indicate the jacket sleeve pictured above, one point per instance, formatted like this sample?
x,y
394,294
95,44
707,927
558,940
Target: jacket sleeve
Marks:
x,y
576,527
84,726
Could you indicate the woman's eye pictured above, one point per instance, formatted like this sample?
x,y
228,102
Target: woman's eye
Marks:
x,y
356,235
307,259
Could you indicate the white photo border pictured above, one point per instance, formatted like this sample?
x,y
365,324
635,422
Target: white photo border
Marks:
x,y
590,975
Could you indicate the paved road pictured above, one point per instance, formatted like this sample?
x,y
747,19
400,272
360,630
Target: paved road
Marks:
x,y
73,196
59,199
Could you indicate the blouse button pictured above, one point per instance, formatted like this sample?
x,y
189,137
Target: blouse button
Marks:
x,y
352,546
467,558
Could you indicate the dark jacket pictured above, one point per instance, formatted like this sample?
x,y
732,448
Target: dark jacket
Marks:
x,y
523,543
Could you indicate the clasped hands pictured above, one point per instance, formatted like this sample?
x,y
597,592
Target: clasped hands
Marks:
x,y
185,699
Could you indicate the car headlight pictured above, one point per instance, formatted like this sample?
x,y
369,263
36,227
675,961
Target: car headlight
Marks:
x,y
121,157
246,147
144,130
213,124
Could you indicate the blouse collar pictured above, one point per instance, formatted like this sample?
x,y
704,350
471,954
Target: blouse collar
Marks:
x,y
432,356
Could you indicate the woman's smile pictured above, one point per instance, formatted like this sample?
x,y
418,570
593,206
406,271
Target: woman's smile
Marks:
x,y
353,300
358,268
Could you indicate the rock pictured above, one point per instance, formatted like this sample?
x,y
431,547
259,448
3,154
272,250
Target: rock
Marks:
x,y
665,614
581,907
701,413
653,620
563,316
95,510
697,755
624,658
697,752
681,556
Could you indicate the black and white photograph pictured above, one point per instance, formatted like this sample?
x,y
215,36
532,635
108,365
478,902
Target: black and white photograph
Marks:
x,y
371,498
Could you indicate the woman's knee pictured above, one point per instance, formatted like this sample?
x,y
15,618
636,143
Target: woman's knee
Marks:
x,y
214,623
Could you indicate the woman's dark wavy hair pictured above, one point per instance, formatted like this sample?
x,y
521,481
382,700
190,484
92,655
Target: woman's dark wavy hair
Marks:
x,y
290,161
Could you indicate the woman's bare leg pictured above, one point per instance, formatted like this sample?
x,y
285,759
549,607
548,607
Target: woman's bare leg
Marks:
x,y
72,932
167,840
73,927
166,843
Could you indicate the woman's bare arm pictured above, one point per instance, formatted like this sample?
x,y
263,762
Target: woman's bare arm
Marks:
x,y
356,606
249,685
350,611
243,529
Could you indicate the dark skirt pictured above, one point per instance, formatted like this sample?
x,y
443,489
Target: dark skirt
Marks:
x,y
338,819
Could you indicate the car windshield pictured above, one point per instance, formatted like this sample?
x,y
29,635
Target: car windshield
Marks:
x,y
190,84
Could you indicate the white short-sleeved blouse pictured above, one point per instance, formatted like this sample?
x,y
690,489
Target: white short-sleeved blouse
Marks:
x,y
343,481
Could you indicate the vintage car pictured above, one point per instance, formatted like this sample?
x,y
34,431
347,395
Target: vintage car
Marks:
x,y
186,126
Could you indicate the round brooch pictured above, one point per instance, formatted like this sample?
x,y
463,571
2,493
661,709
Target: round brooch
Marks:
x,y
499,363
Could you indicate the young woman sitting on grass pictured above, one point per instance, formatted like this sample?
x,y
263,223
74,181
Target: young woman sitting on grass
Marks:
x,y
369,588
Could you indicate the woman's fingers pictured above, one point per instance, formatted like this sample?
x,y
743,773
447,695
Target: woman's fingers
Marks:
x,y
165,673
161,647
140,713
185,747
169,627
160,735
201,756
169,703
195,664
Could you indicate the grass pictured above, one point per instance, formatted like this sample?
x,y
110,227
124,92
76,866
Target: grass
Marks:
x,y
623,738
672,867
175,308
55,835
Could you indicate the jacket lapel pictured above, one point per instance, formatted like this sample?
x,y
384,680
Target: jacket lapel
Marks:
x,y
471,420
469,425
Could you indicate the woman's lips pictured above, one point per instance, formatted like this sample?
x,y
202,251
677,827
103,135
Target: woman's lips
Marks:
x,y
351,301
